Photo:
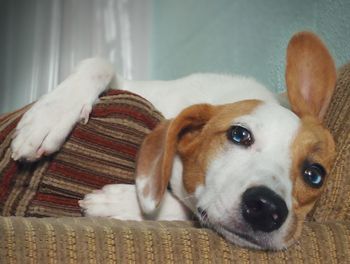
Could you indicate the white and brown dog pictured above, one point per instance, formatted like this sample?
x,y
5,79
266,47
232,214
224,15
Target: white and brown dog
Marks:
x,y
248,167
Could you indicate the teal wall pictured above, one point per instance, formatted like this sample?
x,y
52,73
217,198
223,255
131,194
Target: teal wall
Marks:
x,y
246,37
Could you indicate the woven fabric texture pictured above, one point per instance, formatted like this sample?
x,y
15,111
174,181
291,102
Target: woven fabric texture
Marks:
x,y
334,203
98,153
102,240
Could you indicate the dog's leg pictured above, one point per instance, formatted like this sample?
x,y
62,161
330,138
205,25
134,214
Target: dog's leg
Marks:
x,y
43,129
120,201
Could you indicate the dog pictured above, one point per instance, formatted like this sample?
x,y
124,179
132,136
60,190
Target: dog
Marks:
x,y
228,152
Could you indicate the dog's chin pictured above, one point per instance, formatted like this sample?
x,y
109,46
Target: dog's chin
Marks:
x,y
260,242
240,239
246,239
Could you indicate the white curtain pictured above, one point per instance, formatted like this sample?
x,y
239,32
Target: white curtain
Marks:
x,y
42,41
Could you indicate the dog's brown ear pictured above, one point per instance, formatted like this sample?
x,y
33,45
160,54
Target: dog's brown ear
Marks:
x,y
157,153
310,75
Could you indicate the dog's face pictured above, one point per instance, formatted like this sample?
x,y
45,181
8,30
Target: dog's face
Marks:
x,y
251,170
254,170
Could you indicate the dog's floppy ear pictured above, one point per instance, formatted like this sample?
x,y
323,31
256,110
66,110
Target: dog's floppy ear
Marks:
x,y
310,75
156,156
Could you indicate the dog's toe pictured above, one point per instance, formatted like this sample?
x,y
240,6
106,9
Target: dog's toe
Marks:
x,y
115,200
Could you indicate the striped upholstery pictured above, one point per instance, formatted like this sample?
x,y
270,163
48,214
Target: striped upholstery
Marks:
x,y
96,154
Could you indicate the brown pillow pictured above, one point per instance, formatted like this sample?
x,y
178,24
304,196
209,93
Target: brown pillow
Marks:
x,y
98,153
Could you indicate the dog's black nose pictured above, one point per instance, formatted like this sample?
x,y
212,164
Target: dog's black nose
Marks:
x,y
263,209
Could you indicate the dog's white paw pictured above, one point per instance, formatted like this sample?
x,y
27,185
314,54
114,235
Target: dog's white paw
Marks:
x,y
43,129
120,201
115,200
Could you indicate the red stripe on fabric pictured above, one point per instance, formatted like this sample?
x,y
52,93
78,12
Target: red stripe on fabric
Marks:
x,y
115,92
51,198
83,177
5,132
6,179
93,138
104,111
119,92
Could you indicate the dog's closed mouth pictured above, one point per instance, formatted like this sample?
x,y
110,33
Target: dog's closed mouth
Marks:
x,y
245,237
204,219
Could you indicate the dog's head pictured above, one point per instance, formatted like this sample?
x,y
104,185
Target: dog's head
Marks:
x,y
251,170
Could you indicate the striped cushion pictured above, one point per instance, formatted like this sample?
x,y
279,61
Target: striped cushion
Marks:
x,y
96,154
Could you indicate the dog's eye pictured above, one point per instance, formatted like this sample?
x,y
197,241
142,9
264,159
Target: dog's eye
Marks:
x,y
314,174
240,135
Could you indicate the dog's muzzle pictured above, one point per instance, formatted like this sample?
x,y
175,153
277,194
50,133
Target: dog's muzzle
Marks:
x,y
263,209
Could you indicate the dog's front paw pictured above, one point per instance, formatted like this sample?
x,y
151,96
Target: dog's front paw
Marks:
x,y
116,200
43,129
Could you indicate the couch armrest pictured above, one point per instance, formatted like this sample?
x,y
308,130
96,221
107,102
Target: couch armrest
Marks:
x,y
102,240
334,203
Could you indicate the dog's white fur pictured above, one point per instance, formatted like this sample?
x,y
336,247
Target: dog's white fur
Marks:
x,y
46,125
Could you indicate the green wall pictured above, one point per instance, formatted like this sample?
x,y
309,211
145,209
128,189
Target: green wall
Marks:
x,y
245,37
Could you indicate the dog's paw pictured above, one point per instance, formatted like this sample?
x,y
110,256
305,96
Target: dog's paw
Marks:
x,y
120,201
43,129
116,200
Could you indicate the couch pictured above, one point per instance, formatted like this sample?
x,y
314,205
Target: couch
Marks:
x,y
41,222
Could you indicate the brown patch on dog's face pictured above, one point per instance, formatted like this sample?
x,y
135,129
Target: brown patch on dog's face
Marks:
x,y
313,144
195,135
197,146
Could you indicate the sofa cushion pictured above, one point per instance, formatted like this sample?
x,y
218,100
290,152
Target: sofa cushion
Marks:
x,y
101,152
104,240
